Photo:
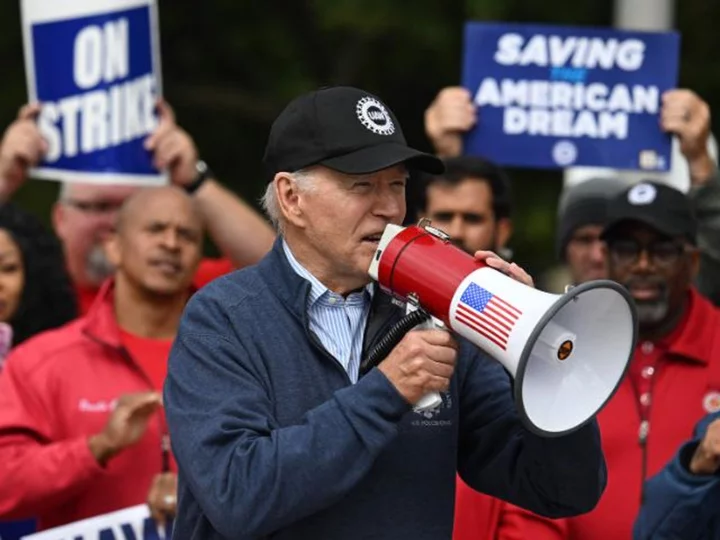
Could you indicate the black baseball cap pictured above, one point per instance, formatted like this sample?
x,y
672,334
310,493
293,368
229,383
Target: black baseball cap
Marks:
x,y
345,129
658,205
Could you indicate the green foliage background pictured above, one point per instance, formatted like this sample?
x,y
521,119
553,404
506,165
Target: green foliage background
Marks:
x,y
230,66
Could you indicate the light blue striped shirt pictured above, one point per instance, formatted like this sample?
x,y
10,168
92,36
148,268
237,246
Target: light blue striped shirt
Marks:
x,y
338,322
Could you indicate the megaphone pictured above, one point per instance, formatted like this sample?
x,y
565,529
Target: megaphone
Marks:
x,y
566,353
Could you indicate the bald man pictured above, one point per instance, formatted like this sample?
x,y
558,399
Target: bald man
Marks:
x,y
81,431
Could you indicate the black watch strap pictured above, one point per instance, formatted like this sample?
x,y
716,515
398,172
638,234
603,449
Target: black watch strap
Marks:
x,y
203,173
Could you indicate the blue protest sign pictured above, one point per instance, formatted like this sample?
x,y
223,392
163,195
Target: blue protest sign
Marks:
x,y
14,530
555,96
94,66
133,523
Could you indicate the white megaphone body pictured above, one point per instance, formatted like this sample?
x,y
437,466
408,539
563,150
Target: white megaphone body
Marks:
x,y
567,353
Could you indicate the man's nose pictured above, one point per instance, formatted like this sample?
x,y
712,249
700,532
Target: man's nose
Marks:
x,y
597,253
387,205
644,262
170,239
456,228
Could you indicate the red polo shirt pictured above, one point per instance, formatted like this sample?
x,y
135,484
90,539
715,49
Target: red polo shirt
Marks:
x,y
56,390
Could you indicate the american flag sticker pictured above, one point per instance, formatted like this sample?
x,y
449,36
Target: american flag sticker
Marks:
x,y
487,314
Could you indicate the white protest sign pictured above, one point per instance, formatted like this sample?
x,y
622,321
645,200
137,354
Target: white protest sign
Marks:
x,y
94,65
132,523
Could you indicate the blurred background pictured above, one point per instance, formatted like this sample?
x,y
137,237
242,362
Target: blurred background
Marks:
x,y
229,67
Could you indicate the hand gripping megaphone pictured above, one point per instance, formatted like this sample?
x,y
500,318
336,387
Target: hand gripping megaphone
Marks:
x,y
566,353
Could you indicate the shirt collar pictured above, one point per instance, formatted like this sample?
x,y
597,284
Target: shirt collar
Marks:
x,y
319,292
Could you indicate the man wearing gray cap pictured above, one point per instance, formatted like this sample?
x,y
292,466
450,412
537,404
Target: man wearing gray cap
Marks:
x,y
582,212
279,432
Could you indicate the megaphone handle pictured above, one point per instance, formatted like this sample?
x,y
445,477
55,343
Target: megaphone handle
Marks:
x,y
433,399
428,401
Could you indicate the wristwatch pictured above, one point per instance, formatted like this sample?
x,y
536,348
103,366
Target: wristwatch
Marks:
x,y
203,173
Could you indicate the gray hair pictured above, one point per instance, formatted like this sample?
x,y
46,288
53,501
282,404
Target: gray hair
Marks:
x,y
304,181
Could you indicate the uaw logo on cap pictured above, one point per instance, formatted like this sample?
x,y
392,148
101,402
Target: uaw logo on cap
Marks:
x,y
642,194
374,116
711,402
564,153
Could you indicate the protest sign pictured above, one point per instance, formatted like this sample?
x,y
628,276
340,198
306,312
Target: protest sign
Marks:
x,y
132,523
94,65
555,96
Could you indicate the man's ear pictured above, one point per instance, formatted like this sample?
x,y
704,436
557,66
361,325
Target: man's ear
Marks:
x,y
289,199
112,248
58,220
503,233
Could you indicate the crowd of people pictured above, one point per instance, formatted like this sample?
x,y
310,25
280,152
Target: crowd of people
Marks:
x,y
230,395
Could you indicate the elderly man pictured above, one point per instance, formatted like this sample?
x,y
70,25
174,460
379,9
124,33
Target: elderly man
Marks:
x,y
275,428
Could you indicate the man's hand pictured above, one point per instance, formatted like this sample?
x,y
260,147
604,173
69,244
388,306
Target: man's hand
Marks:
x,y
423,362
22,147
511,269
126,425
448,117
162,498
173,149
706,458
688,117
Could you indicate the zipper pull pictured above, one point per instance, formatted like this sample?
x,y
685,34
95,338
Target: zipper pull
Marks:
x,y
643,432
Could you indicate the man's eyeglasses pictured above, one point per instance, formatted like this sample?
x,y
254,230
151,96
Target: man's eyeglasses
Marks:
x,y
662,253
94,207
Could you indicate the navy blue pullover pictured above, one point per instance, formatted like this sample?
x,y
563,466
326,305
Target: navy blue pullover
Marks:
x,y
679,504
273,441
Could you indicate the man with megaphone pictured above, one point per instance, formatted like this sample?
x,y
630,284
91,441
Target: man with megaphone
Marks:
x,y
280,424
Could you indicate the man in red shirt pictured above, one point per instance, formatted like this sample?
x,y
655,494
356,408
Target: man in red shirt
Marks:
x,y
674,377
84,214
81,433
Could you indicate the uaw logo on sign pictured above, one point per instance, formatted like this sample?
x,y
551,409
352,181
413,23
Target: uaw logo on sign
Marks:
x,y
555,96
94,67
